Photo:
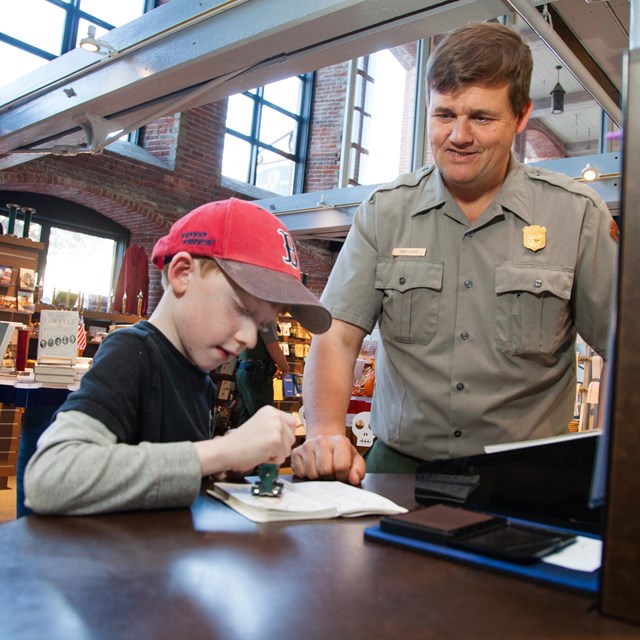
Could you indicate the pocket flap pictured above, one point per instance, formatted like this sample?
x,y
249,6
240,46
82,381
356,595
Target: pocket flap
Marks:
x,y
534,278
403,275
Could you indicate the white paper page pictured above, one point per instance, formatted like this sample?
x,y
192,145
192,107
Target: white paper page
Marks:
x,y
585,554
349,500
289,503
304,501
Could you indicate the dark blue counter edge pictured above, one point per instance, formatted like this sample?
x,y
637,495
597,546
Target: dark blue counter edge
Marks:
x,y
584,582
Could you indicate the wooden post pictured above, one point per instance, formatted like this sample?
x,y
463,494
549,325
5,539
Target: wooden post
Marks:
x,y
620,575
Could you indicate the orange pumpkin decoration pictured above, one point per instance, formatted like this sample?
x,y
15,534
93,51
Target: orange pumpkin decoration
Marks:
x,y
365,383
369,383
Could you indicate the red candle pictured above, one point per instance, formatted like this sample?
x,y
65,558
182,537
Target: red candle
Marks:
x,y
21,349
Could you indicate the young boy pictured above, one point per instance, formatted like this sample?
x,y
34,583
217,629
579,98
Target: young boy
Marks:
x,y
137,434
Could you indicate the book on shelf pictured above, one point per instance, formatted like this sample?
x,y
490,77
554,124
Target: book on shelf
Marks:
x,y
60,375
48,367
228,368
52,373
226,387
43,377
288,386
81,367
309,500
61,372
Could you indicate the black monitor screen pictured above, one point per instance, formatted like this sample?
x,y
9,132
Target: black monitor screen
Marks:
x,y
548,483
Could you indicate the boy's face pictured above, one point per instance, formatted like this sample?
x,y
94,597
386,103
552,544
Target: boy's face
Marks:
x,y
215,320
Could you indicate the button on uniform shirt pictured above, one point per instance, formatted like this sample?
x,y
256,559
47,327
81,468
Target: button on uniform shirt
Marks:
x,y
478,320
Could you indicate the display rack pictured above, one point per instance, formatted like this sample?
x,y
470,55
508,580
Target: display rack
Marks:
x,y
225,409
17,255
295,342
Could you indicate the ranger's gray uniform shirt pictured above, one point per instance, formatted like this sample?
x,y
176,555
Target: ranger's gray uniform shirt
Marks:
x,y
478,331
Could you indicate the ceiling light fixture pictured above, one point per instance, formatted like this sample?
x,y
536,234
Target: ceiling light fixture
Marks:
x,y
94,45
557,95
590,173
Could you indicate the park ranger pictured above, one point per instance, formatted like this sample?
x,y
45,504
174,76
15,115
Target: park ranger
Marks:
x,y
479,271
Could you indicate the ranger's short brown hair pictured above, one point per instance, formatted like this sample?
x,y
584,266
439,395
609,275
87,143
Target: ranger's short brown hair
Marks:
x,y
486,54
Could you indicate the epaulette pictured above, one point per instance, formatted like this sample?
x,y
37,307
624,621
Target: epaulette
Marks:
x,y
404,180
564,182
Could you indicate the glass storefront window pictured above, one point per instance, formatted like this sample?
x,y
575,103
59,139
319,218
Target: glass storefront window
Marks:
x,y
79,262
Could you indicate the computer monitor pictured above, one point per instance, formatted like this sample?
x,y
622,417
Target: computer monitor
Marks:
x,y
547,483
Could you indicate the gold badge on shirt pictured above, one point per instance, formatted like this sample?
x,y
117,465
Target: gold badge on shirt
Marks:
x,y
534,237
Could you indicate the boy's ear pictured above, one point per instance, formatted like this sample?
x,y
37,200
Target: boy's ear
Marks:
x,y
179,271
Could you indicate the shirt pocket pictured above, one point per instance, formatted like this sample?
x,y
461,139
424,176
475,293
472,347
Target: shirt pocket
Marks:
x,y
411,291
533,311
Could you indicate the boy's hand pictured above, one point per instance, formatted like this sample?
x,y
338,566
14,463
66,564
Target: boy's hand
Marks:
x,y
328,457
266,437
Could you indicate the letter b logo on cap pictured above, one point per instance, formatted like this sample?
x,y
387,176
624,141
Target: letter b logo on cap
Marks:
x,y
291,256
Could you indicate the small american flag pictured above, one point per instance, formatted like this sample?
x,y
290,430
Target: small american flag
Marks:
x,y
82,336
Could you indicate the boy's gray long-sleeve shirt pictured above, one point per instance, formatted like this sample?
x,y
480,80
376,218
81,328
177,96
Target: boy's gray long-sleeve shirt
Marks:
x,y
124,440
106,475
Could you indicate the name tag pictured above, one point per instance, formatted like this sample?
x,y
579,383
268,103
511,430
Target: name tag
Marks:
x,y
408,251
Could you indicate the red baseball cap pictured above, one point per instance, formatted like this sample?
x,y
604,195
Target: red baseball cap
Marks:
x,y
253,248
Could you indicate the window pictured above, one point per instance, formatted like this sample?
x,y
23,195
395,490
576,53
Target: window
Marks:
x,y
266,135
77,257
384,97
79,262
386,133
33,32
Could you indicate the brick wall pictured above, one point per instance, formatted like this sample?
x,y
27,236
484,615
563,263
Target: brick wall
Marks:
x,y
316,261
325,138
144,198
542,144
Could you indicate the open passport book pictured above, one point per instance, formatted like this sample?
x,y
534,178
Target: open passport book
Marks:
x,y
310,500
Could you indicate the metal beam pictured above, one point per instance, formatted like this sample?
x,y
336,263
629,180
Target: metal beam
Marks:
x,y
571,60
318,214
329,213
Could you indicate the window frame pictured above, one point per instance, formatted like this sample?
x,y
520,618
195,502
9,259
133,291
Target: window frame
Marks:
x,y
47,225
303,120
353,149
70,33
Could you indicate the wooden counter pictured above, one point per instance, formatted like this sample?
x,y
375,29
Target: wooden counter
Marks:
x,y
209,573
